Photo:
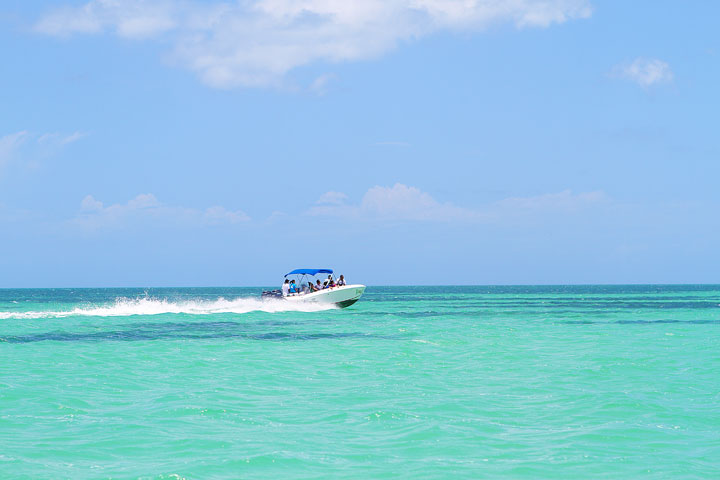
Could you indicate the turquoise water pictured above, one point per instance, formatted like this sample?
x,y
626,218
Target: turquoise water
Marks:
x,y
413,382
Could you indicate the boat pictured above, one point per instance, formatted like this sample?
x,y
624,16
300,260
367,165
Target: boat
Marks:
x,y
341,296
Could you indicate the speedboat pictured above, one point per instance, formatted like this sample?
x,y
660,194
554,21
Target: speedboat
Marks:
x,y
340,296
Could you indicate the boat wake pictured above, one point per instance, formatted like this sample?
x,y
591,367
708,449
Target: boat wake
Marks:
x,y
125,307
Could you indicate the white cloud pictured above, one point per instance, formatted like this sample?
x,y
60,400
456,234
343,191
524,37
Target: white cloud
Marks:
x,y
94,215
399,202
332,198
72,138
320,85
402,202
565,201
645,71
28,148
127,18
60,139
256,42
144,201
9,145
218,215
89,204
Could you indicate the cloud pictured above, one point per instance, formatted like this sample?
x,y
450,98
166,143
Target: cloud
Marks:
x,y
257,42
565,201
27,148
130,19
332,198
10,144
219,215
319,86
60,139
146,208
402,202
89,204
644,71
399,202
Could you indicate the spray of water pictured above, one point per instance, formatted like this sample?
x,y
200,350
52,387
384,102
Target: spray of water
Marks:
x,y
123,307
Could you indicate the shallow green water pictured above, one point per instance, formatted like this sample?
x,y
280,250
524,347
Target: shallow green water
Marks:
x,y
414,382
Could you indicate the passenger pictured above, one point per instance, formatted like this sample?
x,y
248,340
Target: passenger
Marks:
x,y
341,281
286,288
318,286
330,281
293,287
310,287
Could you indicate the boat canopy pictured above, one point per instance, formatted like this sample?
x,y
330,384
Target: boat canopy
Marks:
x,y
309,271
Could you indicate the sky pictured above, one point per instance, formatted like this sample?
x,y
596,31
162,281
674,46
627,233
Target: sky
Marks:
x,y
400,142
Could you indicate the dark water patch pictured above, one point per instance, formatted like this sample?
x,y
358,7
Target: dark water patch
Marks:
x,y
497,313
190,331
461,306
635,305
583,304
432,291
185,326
641,322
569,299
136,336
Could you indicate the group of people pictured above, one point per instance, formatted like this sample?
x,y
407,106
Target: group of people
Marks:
x,y
292,288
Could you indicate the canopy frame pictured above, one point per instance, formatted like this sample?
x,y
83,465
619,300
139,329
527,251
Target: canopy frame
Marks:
x,y
304,273
309,271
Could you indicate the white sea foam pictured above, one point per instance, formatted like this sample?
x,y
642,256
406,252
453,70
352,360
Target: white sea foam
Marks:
x,y
124,307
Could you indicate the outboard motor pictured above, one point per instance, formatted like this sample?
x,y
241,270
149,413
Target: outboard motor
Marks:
x,y
272,294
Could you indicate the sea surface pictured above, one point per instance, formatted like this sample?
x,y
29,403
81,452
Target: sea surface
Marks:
x,y
569,382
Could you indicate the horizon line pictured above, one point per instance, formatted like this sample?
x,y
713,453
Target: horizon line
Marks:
x,y
389,285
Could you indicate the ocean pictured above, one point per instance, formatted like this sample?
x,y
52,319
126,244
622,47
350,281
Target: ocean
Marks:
x,y
410,382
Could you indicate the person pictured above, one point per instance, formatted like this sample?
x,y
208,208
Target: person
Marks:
x,y
330,282
286,288
341,281
311,288
318,286
293,287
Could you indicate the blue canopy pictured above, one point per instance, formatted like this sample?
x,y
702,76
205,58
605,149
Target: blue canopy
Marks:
x,y
309,271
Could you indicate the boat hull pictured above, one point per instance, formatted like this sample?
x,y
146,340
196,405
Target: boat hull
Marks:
x,y
341,297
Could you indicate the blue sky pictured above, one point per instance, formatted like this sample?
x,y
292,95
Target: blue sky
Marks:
x,y
163,143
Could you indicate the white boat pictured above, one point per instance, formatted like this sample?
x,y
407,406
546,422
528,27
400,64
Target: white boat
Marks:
x,y
340,296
